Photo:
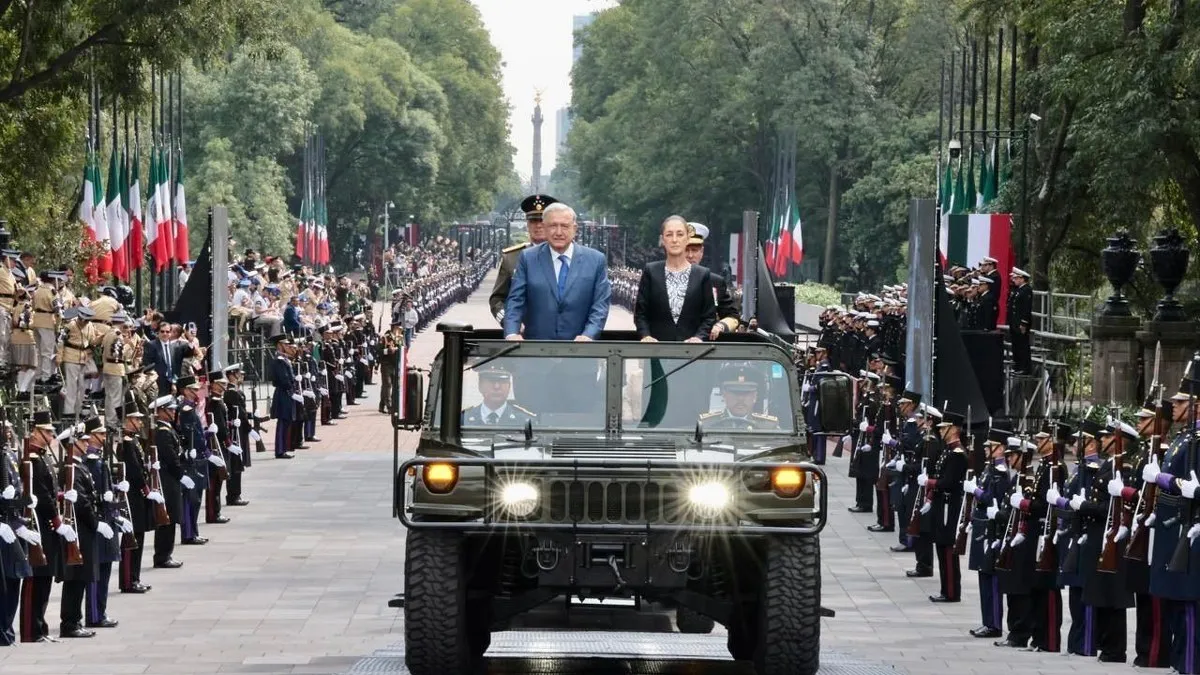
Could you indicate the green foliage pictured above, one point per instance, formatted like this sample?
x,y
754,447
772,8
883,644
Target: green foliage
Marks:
x,y
813,293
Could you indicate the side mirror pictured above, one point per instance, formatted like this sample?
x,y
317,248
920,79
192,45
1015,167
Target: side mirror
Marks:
x,y
835,403
414,402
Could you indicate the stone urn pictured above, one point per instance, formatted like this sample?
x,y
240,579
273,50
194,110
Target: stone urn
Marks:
x,y
1168,263
1119,261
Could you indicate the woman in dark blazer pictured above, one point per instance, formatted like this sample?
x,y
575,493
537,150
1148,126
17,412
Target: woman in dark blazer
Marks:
x,y
675,298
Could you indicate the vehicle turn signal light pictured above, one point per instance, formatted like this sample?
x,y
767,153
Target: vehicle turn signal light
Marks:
x,y
787,481
439,477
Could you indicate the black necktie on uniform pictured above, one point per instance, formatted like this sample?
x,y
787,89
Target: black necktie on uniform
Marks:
x,y
492,418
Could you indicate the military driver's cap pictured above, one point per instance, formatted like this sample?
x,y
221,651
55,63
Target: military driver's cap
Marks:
x,y
494,371
533,205
911,396
952,419
738,378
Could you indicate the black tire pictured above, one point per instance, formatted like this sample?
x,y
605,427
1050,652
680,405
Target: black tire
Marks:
x,y
437,635
789,612
690,621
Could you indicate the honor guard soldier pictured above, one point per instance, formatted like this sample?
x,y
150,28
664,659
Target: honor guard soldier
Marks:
x,y
533,206
80,562
881,435
985,539
239,435
168,451
75,354
389,354
44,323
1020,319
495,384
15,535
116,349
10,288
1015,557
217,433
285,397
107,546
739,386
194,460
138,494
40,463
1075,549
1152,644
904,465
944,494
1176,529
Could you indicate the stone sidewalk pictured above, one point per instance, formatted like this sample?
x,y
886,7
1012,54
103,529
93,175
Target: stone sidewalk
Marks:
x,y
299,581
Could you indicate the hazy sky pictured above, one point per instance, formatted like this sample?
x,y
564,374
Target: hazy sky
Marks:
x,y
535,41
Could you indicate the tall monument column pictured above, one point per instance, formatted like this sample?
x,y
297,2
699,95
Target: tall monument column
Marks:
x,y
537,143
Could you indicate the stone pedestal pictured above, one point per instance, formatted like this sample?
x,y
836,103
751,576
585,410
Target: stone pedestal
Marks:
x,y
1115,349
1179,342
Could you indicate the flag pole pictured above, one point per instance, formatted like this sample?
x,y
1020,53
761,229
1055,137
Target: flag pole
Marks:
x,y
140,256
152,185
125,203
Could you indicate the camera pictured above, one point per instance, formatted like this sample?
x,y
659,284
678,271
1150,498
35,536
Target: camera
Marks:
x,y
955,148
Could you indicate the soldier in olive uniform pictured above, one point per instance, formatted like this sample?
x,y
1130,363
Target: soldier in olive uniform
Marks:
x,y
740,392
75,353
533,206
495,385
44,323
117,351
9,290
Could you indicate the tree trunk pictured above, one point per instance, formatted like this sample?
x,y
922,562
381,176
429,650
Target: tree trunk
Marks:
x,y
835,198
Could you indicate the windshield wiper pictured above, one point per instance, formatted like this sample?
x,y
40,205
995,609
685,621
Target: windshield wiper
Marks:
x,y
503,352
681,366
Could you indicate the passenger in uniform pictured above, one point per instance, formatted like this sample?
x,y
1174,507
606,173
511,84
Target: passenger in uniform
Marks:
x,y
533,206
739,386
495,384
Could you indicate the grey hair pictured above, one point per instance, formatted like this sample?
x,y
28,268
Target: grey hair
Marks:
x,y
557,207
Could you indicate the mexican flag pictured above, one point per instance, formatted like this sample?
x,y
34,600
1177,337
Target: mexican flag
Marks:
x,y
181,217
968,239
154,242
302,231
165,241
118,213
136,234
793,236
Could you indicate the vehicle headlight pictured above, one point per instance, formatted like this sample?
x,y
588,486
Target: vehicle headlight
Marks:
x,y
787,481
710,497
519,499
440,477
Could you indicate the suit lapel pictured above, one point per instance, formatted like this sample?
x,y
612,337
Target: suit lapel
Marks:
x,y
546,262
693,291
572,273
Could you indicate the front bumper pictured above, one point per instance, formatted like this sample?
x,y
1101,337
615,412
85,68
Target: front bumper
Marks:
x,y
470,506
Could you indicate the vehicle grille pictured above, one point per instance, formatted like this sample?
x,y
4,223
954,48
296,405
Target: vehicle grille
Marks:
x,y
600,448
605,501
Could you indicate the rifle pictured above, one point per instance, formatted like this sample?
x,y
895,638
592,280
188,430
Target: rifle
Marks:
x,y
1181,558
1047,546
968,502
1138,548
71,548
259,446
37,554
161,515
914,518
222,472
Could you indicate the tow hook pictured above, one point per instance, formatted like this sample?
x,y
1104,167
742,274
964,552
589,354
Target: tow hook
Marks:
x,y
547,555
679,558
616,570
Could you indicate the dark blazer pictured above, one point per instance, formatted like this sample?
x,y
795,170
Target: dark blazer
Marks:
x,y
652,310
167,373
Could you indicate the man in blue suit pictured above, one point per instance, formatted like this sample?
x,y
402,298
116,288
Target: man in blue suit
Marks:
x,y
560,290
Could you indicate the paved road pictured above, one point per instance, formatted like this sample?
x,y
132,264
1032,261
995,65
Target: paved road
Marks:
x,y
299,581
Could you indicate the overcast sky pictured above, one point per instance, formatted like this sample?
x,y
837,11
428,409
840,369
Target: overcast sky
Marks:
x,y
535,41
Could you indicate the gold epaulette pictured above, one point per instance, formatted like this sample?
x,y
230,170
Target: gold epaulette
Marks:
x,y
516,247
760,416
960,450
710,415
527,412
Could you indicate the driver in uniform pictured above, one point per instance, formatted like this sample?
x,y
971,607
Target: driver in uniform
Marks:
x,y
739,390
495,384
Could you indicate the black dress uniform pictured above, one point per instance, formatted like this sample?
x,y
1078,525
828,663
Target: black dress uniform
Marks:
x,y
946,496
1014,569
218,416
239,424
1074,549
140,508
169,450
75,578
1045,590
1020,322
1107,592
14,562
108,538
35,591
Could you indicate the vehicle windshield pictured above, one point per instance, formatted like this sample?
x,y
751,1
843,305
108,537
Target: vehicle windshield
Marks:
x,y
719,394
558,393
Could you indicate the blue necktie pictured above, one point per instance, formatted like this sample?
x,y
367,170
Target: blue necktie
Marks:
x,y
562,275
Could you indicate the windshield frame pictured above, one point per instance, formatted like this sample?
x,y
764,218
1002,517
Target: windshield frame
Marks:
x,y
616,353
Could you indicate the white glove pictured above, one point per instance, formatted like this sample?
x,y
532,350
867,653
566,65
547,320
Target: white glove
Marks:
x,y
156,496
1115,486
156,466
123,486
349,373
996,544
1188,487
71,495
33,500
7,534
339,377
900,463
970,486
1122,532
1076,502
216,460
29,535
192,453
297,398
67,533
104,529
1194,532
866,447
1052,495
324,391
891,465
862,426
1150,520
306,377
108,496
1015,500
187,482
235,450
1017,539
887,437
923,479
363,361
806,388
308,393
1150,471
1082,540
9,492
237,422
212,428
925,507
126,526
992,510
255,436
904,490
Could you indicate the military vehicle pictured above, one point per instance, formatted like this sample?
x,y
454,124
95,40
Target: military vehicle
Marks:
x,y
671,474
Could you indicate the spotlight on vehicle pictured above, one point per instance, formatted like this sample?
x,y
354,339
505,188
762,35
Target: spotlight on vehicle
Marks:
x,y
709,498
519,499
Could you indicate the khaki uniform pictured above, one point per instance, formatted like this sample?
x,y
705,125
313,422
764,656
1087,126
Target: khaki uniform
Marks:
x,y
8,298
104,307
117,353
508,267
45,327
24,346
75,354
